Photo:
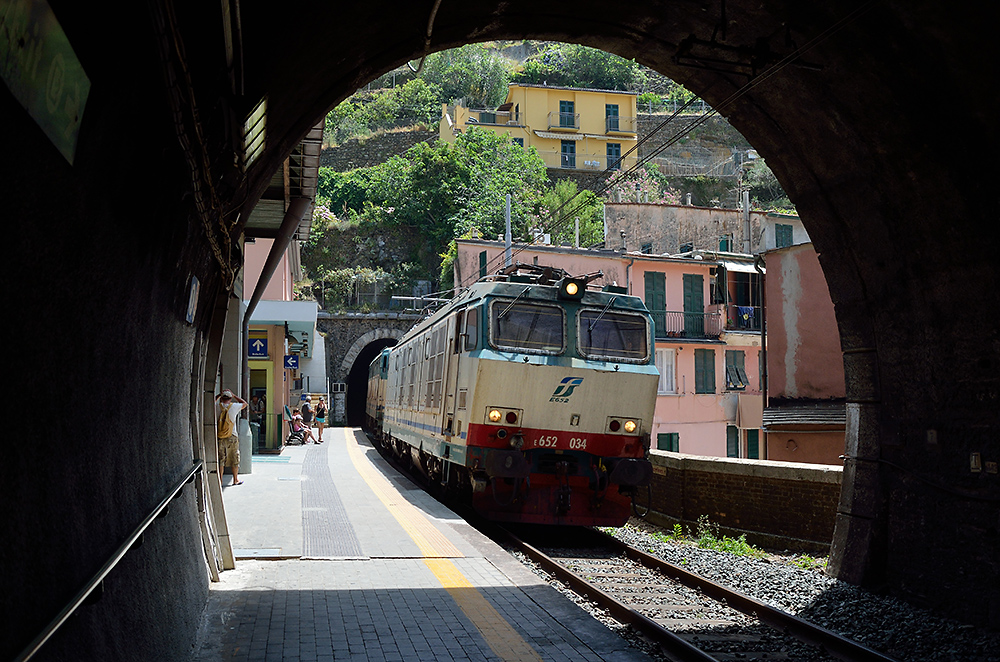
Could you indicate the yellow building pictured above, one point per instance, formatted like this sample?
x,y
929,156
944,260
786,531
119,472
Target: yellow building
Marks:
x,y
573,129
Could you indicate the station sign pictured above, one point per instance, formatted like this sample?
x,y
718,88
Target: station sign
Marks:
x,y
257,348
292,361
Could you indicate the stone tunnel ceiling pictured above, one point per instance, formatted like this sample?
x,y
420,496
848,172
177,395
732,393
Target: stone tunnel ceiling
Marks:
x,y
883,147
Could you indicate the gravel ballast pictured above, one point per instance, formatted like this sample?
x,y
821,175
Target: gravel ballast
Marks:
x,y
886,624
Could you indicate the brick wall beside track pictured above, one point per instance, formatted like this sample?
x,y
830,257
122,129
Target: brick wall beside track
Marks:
x,y
779,505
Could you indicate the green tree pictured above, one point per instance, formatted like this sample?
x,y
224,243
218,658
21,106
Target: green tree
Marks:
x,y
572,65
473,72
561,205
424,198
765,190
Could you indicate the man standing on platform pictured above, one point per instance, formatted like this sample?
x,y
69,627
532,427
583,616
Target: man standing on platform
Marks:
x,y
229,444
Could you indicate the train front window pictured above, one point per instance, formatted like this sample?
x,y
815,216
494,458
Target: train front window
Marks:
x,y
527,327
607,335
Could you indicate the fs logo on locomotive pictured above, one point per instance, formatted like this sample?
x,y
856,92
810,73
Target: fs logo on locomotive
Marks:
x,y
565,389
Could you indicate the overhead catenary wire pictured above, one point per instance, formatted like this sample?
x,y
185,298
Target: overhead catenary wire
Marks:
x,y
557,222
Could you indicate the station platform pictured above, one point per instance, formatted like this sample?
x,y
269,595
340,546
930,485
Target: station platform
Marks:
x,y
340,557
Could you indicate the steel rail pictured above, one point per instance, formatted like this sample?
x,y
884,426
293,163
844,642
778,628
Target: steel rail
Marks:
x,y
133,540
675,646
835,644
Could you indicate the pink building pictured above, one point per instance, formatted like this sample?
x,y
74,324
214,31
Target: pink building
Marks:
x,y
707,348
805,412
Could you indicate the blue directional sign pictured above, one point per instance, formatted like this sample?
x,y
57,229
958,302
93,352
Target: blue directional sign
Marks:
x,y
292,361
257,348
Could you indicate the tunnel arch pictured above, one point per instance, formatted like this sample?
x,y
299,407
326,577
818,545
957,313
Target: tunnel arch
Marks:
x,y
878,192
355,368
357,380
895,189
359,345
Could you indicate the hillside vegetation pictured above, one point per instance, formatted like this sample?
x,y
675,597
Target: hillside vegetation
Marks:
x,y
380,231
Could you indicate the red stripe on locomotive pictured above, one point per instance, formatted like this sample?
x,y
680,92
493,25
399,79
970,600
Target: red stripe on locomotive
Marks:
x,y
601,445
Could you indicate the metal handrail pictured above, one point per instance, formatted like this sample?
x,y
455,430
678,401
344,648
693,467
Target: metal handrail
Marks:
x,y
680,324
96,580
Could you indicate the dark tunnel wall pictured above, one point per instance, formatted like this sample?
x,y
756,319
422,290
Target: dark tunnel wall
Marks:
x,y
898,200
101,366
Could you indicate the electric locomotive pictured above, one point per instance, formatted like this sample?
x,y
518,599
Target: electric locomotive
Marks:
x,y
530,394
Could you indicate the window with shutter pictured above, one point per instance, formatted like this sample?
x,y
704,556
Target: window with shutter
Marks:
x,y
782,235
668,441
736,375
655,288
732,441
704,371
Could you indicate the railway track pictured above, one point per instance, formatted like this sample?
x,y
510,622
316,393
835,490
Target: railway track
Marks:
x,y
689,617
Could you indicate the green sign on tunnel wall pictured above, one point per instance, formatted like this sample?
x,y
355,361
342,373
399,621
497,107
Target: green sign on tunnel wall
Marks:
x,y
41,70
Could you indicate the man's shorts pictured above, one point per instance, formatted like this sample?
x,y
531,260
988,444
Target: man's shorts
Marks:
x,y
229,452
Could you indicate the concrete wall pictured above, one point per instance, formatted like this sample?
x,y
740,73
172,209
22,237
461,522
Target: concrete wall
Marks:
x,y
279,288
803,342
781,505
666,227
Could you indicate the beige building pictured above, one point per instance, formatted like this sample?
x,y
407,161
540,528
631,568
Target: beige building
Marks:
x,y
571,128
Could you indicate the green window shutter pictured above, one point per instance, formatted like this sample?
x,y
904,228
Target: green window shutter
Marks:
x,y
732,441
704,371
736,376
482,264
655,285
753,444
668,441
694,305
782,235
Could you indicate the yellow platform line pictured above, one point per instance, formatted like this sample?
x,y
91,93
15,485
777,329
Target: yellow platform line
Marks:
x,y
428,538
503,640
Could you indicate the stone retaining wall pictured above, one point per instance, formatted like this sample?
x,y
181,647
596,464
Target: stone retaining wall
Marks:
x,y
779,505
365,152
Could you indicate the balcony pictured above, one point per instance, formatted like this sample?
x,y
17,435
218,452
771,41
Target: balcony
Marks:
x,y
678,324
564,121
616,124
743,318
495,117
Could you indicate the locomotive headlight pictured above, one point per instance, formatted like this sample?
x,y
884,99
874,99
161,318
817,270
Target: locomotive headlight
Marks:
x,y
630,426
495,415
572,288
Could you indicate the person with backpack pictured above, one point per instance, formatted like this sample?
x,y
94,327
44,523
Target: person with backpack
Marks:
x,y
229,444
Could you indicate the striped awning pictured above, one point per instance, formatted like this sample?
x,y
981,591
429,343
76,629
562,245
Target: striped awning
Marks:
x,y
551,135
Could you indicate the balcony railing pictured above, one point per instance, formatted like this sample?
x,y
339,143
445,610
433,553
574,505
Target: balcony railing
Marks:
x,y
616,124
495,117
678,324
743,318
564,120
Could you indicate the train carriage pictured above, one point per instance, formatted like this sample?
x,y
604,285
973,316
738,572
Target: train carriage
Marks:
x,y
530,393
